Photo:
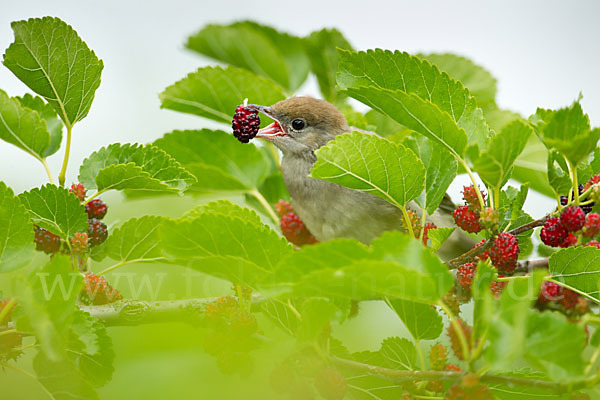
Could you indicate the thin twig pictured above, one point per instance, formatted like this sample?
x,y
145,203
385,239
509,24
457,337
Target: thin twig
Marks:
x,y
529,265
475,251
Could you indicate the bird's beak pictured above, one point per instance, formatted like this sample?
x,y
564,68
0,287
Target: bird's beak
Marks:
x,y
273,130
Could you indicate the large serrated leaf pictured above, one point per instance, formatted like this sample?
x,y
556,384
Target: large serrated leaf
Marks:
x,y
281,315
257,48
48,114
228,208
508,324
434,278
215,92
54,208
224,246
331,254
415,113
48,298
402,72
579,268
440,169
546,341
530,166
136,240
568,131
16,232
399,353
371,164
91,349
551,340
494,166
62,379
558,174
477,79
316,314
133,167
50,58
217,159
394,266
23,127
422,320
321,47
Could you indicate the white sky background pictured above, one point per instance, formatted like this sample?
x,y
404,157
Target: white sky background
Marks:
x,y
542,52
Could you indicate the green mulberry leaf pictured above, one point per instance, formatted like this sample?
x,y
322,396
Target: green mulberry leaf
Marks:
x,y
371,164
50,58
16,232
321,48
133,167
23,127
217,159
223,246
215,93
55,209
256,48
391,77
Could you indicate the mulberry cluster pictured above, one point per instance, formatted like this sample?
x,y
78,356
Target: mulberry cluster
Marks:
x,y
97,291
556,297
467,217
10,344
465,274
292,226
232,333
455,340
78,245
331,384
469,388
46,241
415,223
245,124
505,252
96,209
438,361
561,231
78,190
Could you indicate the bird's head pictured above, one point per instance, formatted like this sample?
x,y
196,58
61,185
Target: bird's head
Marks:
x,y
302,124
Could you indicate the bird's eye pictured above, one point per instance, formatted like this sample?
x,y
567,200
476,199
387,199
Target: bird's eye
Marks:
x,y
298,124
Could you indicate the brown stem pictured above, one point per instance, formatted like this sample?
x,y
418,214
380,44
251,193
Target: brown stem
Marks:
x,y
475,251
529,265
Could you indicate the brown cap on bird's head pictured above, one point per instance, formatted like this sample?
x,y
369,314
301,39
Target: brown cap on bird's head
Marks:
x,y
315,112
302,123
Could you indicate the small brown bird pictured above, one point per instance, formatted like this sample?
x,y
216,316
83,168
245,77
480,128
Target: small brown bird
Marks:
x,y
302,125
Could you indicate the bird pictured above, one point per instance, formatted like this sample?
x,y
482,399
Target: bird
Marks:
x,y
301,126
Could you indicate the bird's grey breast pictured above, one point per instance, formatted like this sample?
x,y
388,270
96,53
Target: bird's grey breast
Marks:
x,y
332,211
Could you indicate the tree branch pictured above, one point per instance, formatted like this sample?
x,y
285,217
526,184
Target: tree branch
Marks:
x,y
475,251
399,376
134,312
